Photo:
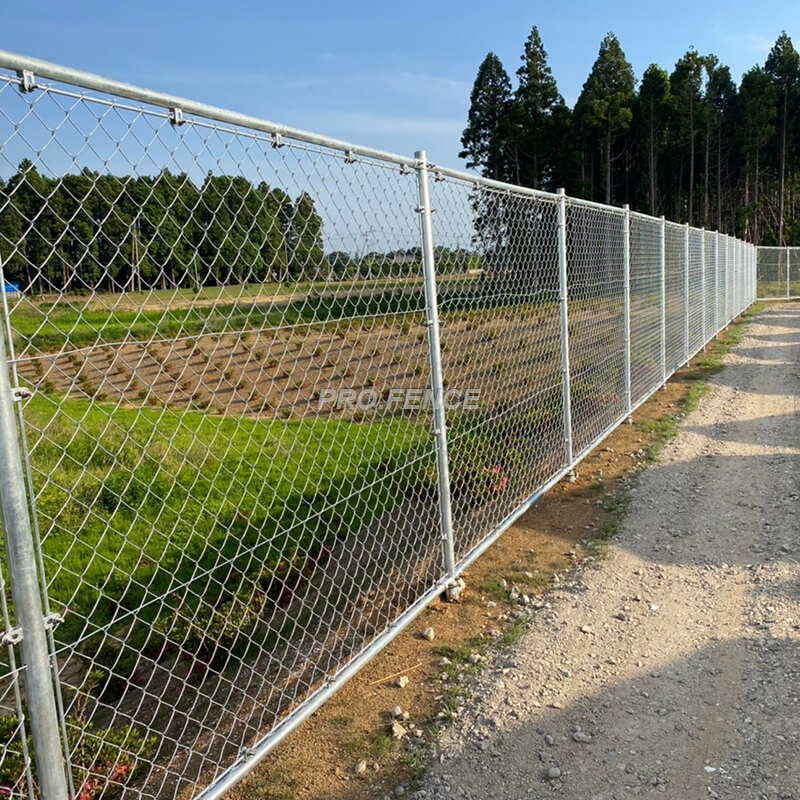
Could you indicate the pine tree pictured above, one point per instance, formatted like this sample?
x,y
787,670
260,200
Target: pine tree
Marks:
x,y
720,99
606,103
653,107
486,136
687,84
756,112
783,66
537,100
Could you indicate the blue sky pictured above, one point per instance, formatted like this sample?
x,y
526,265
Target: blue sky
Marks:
x,y
393,76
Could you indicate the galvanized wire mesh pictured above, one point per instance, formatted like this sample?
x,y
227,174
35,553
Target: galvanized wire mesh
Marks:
x,y
710,278
677,285
225,346
231,501
778,272
697,290
500,329
646,305
722,280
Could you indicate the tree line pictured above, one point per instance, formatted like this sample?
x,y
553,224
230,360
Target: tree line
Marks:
x,y
96,232
690,145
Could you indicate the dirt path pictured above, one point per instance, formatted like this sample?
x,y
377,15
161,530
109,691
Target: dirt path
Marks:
x,y
674,667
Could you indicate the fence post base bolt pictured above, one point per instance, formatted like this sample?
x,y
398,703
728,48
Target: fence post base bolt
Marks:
x,y
452,594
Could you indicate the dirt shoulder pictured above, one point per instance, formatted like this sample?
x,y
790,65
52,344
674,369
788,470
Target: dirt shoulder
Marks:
x,y
634,677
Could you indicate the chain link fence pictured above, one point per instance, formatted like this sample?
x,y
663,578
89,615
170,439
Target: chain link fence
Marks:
x,y
264,407
778,273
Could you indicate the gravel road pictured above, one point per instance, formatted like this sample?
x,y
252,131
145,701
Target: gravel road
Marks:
x,y
672,667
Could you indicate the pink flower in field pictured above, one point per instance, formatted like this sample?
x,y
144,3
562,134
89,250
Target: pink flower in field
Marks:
x,y
496,481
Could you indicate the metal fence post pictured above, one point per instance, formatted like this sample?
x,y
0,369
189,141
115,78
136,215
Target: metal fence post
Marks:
x,y
626,288
26,594
563,298
437,382
703,289
686,306
716,283
663,259
788,273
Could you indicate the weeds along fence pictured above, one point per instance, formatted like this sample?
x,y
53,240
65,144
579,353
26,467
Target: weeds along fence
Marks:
x,y
778,273
264,397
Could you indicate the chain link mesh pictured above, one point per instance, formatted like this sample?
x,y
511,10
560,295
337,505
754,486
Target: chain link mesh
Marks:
x,y
646,331
230,437
230,505
710,272
676,294
500,334
595,264
697,290
778,272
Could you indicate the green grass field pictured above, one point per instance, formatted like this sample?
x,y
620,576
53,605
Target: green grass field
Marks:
x,y
139,505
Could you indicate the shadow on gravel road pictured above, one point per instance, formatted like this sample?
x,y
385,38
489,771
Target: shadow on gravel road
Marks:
x,y
716,723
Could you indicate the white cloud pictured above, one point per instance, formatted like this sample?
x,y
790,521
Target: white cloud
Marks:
x,y
366,122
429,86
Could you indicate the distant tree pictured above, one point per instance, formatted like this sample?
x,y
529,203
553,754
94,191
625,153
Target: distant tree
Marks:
x,y
783,66
340,263
686,83
486,138
606,103
720,100
756,109
305,239
653,109
535,117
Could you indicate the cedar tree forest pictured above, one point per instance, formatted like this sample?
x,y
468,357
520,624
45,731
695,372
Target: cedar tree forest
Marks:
x,y
690,145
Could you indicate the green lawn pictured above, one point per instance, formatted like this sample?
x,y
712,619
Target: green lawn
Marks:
x,y
139,505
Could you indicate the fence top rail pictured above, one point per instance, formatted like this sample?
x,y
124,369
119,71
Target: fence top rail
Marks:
x,y
640,215
38,68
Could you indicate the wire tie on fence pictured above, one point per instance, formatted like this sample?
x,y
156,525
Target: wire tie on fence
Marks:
x,y
12,637
52,621
246,753
277,140
437,176
176,117
406,170
19,393
349,158
27,80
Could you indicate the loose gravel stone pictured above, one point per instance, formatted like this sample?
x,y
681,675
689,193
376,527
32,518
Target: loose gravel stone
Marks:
x,y
398,731
553,773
